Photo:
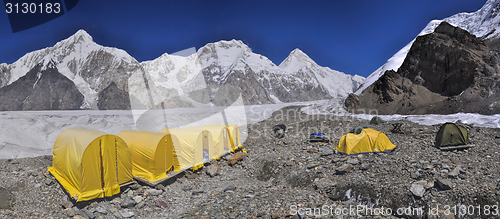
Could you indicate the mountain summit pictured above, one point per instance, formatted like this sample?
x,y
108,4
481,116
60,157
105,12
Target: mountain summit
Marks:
x,y
217,73
90,66
447,71
220,71
484,23
81,36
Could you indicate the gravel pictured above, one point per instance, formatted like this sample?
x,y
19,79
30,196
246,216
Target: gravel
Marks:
x,y
276,176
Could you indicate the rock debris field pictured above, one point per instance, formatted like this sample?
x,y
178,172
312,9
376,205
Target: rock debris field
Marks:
x,y
278,178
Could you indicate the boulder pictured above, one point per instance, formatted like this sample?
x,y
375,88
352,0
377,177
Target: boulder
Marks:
x,y
212,170
324,184
326,151
237,157
160,203
127,202
352,161
313,165
444,184
417,190
154,192
343,169
364,166
230,188
126,214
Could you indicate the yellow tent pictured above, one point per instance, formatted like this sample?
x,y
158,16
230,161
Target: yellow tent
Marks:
x,y
220,139
90,164
368,141
193,144
153,154
234,135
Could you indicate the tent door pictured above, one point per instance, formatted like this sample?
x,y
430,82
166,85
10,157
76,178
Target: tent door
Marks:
x,y
116,160
206,153
102,165
226,145
237,130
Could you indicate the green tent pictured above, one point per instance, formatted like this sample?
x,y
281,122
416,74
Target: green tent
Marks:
x,y
451,134
376,120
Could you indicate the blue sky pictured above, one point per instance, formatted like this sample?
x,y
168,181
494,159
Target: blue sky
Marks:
x,y
352,36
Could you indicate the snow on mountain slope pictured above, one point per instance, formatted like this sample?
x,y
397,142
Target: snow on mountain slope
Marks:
x,y
483,23
90,66
232,62
169,76
214,74
298,61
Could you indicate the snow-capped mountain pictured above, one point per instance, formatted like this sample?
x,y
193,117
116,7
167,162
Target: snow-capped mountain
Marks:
x,y
42,88
483,23
219,71
445,72
299,62
90,66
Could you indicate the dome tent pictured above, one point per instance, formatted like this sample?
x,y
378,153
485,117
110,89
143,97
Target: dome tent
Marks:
x,y
221,139
376,120
451,134
192,145
153,154
90,164
367,141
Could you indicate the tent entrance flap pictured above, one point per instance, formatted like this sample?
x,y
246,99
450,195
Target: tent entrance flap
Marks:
x,y
233,135
102,166
206,150
191,147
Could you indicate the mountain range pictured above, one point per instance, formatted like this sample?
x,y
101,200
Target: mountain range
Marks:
x,y
451,66
77,73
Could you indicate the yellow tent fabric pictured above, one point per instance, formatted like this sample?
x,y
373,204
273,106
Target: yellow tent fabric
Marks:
x,y
220,138
234,135
192,143
368,141
153,154
90,164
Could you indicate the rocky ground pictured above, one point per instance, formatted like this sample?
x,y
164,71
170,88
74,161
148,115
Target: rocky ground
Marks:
x,y
280,177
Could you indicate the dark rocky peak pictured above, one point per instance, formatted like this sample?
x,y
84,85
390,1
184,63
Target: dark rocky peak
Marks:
x,y
42,88
446,61
448,71
50,64
113,98
459,35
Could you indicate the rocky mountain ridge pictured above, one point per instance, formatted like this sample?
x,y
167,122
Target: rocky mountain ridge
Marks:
x,y
447,71
41,89
483,23
90,66
217,73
